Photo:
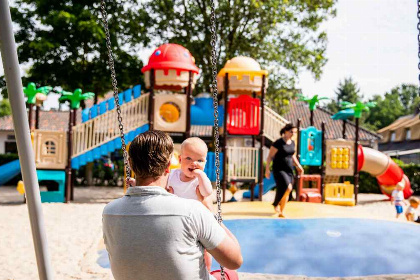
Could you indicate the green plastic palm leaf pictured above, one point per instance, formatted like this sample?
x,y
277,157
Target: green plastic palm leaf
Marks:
x,y
358,108
313,102
75,97
31,91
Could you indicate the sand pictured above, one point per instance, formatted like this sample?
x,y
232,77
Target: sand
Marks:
x,y
75,236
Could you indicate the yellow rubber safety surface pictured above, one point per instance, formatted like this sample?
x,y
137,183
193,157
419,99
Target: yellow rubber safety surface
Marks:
x,y
295,210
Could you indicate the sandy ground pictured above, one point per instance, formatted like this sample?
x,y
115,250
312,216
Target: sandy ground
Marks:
x,y
74,232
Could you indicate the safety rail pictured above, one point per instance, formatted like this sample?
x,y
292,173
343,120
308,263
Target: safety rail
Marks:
x,y
104,128
273,123
242,163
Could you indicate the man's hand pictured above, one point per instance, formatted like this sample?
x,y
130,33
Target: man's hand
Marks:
x,y
267,173
131,182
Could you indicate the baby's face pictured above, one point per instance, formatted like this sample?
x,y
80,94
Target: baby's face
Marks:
x,y
192,157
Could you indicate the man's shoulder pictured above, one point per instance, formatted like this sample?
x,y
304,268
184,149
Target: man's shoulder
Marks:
x,y
113,206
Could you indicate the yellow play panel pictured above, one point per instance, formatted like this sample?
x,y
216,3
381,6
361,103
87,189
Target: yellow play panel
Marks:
x,y
294,210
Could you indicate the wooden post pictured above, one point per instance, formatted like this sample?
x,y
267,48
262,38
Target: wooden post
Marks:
x,y
356,171
344,129
188,112
73,177
312,118
151,99
298,158
225,136
69,149
31,109
323,146
37,117
262,140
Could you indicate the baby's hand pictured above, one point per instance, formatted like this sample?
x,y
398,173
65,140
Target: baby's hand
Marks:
x,y
198,172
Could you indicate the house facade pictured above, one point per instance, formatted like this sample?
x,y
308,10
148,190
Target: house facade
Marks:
x,y
401,139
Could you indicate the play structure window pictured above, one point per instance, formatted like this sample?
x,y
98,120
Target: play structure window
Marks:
x,y
170,112
393,136
408,134
49,148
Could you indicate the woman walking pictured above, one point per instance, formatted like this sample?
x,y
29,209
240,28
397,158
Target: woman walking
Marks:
x,y
282,154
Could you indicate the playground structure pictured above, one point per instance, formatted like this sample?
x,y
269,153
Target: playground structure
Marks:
x,y
247,126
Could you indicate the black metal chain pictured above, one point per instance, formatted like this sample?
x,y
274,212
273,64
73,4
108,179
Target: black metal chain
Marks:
x,y
418,38
115,89
213,43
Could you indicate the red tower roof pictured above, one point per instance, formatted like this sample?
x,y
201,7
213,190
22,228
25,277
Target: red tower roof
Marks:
x,y
171,56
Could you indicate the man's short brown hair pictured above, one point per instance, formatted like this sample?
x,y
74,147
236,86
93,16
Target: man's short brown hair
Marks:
x,y
150,154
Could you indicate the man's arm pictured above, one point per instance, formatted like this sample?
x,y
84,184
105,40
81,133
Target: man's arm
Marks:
x,y
228,252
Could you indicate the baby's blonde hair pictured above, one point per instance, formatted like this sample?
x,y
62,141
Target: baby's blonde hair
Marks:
x,y
194,141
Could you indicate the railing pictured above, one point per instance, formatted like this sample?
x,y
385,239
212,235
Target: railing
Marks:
x,y
242,163
273,123
104,128
201,130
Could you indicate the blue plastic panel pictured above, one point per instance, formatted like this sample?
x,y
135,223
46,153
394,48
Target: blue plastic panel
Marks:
x,y
311,146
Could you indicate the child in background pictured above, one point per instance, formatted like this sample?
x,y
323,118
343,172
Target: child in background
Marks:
x,y
411,213
397,198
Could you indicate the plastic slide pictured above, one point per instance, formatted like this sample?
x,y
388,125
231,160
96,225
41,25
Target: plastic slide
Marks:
x,y
386,171
8,171
268,185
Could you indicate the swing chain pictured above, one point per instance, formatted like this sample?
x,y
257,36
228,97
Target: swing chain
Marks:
x,y
213,43
418,37
115,89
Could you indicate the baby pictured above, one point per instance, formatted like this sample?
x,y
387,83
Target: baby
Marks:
x,y
411,213
190,181
397,198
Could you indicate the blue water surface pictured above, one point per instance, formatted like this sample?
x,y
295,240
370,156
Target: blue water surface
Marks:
x,y
324,247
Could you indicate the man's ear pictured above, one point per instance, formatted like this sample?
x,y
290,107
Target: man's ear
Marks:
x,y
168,168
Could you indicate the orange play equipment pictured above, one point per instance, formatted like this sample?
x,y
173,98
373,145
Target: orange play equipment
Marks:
x,y
310,194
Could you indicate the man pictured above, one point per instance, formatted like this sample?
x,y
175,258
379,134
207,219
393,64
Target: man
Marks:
x,y
152,234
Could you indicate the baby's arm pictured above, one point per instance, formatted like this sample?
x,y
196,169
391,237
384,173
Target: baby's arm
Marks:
x,y
204,184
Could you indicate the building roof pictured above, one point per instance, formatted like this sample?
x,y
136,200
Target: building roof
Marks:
x,y
404,121
400,146
48,120
334,129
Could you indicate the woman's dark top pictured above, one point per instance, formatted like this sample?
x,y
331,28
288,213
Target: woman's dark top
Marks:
x,y
283,158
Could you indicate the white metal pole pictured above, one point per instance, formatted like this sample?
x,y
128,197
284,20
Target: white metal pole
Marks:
x,y
23,139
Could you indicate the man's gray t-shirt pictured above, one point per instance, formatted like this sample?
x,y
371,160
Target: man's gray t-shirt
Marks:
x,y
152,234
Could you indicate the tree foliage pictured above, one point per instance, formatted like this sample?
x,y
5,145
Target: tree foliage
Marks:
x,y
399,101
64,42
283,35
347,91
5,108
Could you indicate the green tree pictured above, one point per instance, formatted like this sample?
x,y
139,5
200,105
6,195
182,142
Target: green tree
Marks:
x,y
64,42
283,35
388,109
408,96
5,108
348,91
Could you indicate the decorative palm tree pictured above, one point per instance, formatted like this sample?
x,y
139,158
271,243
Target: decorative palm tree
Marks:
x,y
313,102
35,96
74,98
358,107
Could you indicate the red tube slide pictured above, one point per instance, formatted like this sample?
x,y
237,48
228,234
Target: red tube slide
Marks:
x,y
386,171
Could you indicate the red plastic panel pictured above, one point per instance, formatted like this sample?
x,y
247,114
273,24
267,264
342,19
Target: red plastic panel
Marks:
x,y
360,157
244,115
391,176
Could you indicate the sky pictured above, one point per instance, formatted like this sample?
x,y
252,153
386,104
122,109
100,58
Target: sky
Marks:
x,y
372,41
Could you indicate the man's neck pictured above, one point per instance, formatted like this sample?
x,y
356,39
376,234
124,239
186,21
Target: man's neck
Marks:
x,y
159,182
